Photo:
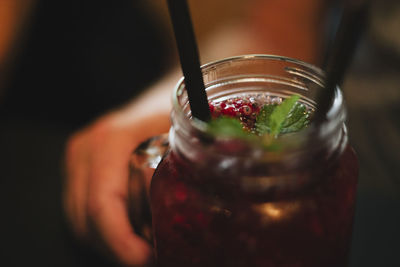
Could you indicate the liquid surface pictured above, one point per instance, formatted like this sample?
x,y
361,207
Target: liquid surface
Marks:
x,y
246,108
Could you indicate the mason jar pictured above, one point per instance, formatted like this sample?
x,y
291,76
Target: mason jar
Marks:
x,y
218,201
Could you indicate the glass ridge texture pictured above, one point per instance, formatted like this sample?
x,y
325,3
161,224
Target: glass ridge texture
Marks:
x,y
221,202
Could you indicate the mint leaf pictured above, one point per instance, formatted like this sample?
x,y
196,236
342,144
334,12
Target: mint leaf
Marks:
x,y
263,119
280,114
227,127
289,116
296,120
294,115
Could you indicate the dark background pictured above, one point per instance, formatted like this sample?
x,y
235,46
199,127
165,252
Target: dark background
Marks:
x,y
75,61
80,60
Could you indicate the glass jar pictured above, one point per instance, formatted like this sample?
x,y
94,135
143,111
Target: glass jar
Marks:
x,y
225,202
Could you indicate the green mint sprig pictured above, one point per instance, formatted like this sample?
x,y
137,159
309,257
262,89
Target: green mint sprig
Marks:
x,y
273,120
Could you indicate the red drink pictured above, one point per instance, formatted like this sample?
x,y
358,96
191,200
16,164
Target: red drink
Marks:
x,y
226,202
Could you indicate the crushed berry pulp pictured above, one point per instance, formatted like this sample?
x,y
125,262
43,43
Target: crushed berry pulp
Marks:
x,y
197,223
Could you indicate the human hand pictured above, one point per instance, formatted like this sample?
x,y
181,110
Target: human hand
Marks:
x,y
96,185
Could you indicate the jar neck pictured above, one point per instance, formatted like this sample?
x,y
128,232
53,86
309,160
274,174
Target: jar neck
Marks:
x,y
263,76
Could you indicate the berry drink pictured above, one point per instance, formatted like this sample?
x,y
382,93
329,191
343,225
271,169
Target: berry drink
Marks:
x,y
219,201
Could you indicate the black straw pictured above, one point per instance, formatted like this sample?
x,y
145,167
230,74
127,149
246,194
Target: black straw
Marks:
x,y
348,34
189,57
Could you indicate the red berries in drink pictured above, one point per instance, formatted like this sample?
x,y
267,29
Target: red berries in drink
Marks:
x,y
246,110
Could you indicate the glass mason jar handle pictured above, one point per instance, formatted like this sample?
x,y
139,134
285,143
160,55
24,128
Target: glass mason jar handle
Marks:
x,y
143,162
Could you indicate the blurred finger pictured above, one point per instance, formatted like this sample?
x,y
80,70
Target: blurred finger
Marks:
x,y
75,183
115,232
107,202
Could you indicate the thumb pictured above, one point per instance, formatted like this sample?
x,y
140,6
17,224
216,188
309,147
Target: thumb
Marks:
x,y
110,223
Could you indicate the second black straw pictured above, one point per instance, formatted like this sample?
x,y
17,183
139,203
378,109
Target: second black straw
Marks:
x,y
351,27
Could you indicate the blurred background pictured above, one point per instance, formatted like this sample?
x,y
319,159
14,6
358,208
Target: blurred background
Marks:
x,y
64,63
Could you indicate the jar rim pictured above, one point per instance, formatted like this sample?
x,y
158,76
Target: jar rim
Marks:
x,y
336,111
180,84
